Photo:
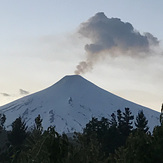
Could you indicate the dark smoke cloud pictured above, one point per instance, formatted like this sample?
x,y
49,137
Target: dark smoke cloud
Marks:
x,y
111,36
5,94
23,92
83,67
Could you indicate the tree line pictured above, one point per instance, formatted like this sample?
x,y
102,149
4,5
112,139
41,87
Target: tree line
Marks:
x,y
119,139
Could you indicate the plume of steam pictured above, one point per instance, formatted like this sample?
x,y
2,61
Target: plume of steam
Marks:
x,y
111,36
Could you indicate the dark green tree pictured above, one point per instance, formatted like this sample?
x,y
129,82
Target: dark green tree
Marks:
x,y
113,121
4,157
138,148
158,143
120,120
96,128
91,127
161,115
84,151
127,122
49,147
111,141
141,122
2,121
158,139
111,138
124,125
18,133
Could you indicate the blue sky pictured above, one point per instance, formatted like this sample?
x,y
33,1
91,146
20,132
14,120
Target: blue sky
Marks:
x,y
40,45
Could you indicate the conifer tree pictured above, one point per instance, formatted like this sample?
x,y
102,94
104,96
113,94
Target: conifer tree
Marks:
x,y
2,121
161,115
124,125
138,148
158,143
96,128
113,122
112,138
141,122
120,119
127,121
91,127
18,132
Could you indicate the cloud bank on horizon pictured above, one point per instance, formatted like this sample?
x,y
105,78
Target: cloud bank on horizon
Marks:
x,y
111,36
5,94
22,92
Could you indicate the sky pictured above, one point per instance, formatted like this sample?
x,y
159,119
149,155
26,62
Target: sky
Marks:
x,y
117,45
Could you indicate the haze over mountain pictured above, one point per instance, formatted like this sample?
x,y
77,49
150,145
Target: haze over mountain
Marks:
x,y
69,104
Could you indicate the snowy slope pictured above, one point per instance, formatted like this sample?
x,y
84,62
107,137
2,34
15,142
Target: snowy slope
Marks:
x,y
70,104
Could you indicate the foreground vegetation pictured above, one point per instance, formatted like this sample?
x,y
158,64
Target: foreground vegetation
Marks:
x,y
107,140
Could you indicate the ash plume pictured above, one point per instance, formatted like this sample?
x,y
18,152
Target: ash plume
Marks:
x,y
111,36
83,67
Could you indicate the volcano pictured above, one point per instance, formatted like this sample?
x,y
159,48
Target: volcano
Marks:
x,y
69,104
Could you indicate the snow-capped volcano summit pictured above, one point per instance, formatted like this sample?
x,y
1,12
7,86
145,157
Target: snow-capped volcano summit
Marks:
x,y
69,104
